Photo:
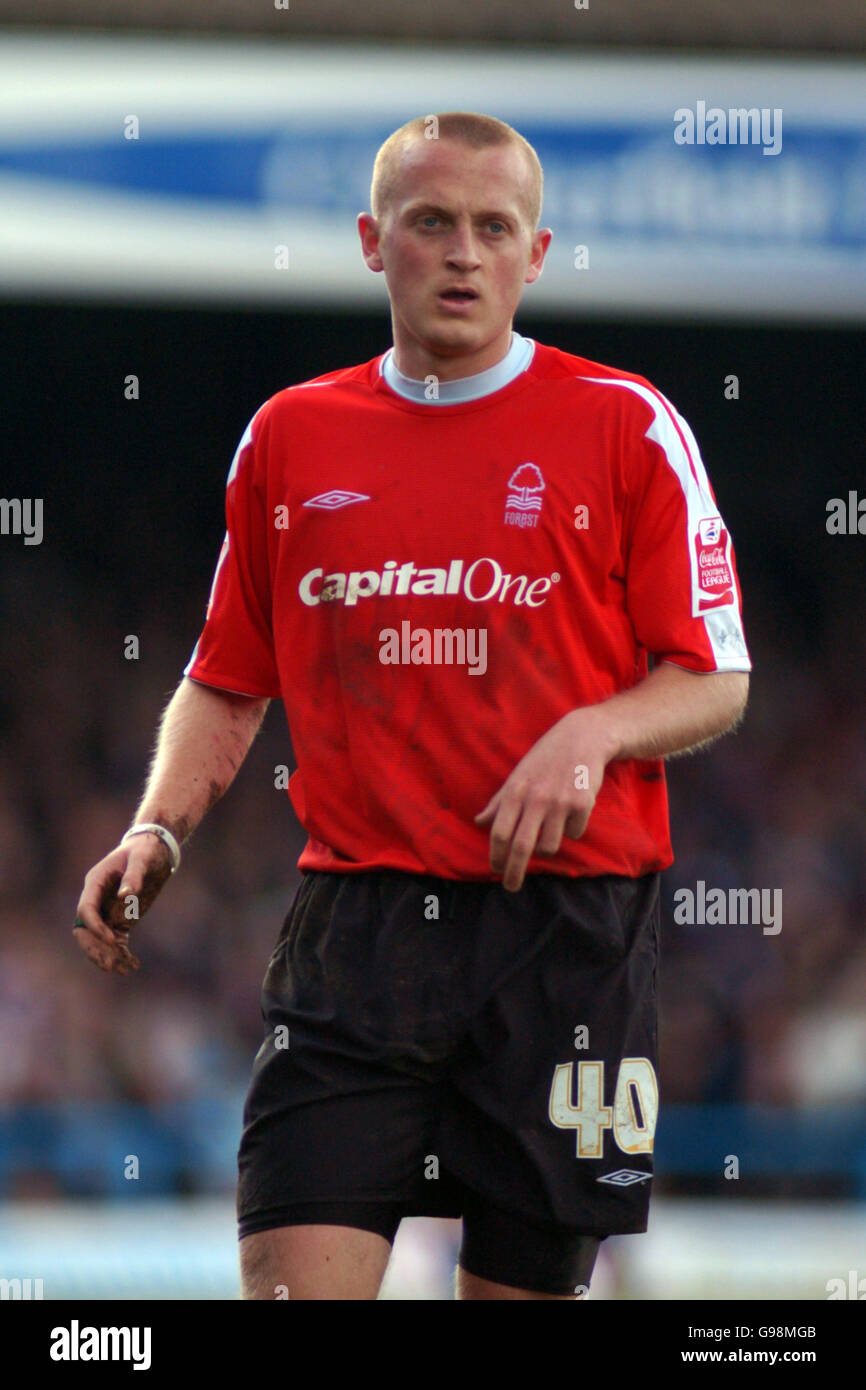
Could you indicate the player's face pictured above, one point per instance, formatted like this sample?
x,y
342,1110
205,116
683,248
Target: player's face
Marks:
x,y
456,246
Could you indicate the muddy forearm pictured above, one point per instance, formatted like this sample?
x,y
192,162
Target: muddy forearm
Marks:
x,y
204,736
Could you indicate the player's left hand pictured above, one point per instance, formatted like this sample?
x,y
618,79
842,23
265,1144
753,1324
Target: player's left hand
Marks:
x,y
550,794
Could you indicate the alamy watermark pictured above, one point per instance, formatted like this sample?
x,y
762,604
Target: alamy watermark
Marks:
x,y
739,125
21,1289
847,516
854,1287
735,907
22,516
77,1343
438,646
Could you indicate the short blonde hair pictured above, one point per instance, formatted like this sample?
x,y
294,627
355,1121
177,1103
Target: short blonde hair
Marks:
x,y
471,128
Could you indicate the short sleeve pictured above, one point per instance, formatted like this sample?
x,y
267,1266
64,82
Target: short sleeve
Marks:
x,y
235,650
682,590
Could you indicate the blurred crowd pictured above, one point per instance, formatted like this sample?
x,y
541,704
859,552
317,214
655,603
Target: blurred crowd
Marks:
x,y
746,1016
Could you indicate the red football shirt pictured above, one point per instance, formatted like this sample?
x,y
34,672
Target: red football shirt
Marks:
x,y
430,588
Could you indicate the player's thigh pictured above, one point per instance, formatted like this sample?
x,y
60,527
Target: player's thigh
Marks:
x,y
313,1262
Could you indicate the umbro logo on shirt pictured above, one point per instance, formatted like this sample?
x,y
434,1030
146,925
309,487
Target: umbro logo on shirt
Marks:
x,y
624,1177
330,501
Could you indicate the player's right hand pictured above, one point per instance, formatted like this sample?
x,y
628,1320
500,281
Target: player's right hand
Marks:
x,y
117,892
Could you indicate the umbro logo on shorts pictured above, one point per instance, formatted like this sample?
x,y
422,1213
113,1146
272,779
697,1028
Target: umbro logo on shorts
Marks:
x,y
336,498
624,1177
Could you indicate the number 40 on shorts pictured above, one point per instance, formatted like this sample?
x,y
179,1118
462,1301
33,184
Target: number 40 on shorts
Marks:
x,y
632,1117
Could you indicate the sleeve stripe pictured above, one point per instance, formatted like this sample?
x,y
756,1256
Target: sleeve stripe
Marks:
x,y
670,431
655,400
246,440
677,422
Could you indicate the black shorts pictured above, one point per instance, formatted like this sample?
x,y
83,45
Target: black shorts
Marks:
x,y
441,1048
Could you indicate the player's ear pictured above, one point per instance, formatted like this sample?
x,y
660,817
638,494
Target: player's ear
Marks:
x,y
368,230
540,242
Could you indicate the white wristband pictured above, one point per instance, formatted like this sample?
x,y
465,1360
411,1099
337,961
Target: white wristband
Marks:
x,y
165,835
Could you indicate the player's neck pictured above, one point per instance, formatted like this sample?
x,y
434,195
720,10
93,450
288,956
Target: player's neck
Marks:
x,y
415,362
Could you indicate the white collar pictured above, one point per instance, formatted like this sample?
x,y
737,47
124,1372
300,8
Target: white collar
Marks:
x,y
466,388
